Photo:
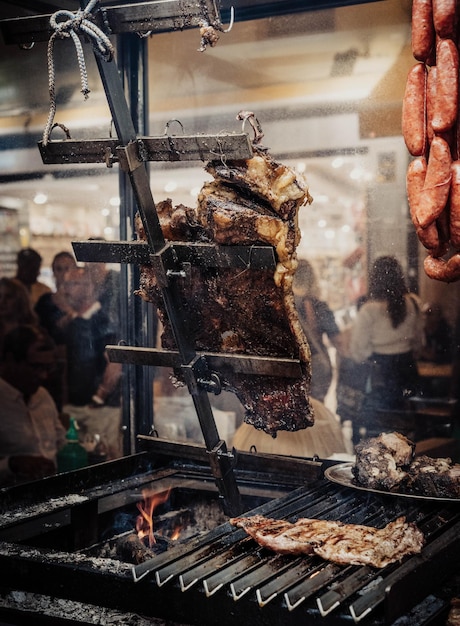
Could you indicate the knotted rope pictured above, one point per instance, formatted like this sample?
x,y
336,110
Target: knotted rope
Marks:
x,y
67,24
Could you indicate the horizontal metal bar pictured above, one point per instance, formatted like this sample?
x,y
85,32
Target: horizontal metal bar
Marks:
x,y
232,571
321,575
299,570
226,146
272,566
142,17
241,364
230,555
332,598
198,254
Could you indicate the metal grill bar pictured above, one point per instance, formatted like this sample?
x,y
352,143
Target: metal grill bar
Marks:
x,y
192,576
158,16
317,579
334,597
243,364
234,570
166,148
198,254
273,566
277,586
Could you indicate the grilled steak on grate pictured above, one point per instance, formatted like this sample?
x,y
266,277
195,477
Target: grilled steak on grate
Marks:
x,y
350,544
245,311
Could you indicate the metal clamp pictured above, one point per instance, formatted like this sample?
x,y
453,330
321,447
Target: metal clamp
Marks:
x,y
130,156
218,455
197,376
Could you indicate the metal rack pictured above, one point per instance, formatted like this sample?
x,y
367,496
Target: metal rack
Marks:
x,y
168,259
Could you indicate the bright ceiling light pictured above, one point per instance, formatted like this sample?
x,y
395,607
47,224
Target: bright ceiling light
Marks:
x,y
40,198
356,173
337,162
170,186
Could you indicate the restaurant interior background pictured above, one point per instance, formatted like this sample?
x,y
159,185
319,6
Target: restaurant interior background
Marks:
x,y
326,86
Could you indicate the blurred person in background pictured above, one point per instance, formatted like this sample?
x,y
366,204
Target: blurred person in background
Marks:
x,y
31,432
318,322
107,288
29,262
15,306
387,333
93,382
54,313
52,308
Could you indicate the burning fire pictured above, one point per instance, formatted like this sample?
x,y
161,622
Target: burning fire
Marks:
x,y
147,506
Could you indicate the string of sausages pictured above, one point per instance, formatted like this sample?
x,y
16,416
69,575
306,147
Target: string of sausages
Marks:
x,y
431,131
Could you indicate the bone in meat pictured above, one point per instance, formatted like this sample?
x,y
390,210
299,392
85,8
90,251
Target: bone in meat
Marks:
x,y
245,311
348,544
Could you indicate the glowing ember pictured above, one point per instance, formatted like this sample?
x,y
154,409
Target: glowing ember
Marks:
x,y
147,506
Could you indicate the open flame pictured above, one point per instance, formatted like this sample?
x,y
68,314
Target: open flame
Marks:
x,y
147,506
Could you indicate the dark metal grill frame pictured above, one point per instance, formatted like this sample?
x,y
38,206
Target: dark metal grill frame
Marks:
x,y
224,572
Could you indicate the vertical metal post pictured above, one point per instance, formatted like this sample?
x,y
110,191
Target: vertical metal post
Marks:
x,y
137,171
138,319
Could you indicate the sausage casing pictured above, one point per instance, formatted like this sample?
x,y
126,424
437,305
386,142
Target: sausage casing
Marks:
x,y
444,18
439,269
446,102
435,193
415,179
455,205
414,111
423,33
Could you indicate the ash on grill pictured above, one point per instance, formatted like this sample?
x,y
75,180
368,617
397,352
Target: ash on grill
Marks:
x,y
39,605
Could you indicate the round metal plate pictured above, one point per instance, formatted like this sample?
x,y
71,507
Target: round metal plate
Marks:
x,y
341,474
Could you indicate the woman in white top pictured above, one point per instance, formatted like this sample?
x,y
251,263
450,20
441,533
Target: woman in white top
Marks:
x,y
388,332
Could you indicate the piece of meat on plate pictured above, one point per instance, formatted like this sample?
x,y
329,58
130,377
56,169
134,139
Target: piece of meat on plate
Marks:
x,y
382,462
347,544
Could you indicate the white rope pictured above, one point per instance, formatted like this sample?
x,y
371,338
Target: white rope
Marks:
x,y
67,24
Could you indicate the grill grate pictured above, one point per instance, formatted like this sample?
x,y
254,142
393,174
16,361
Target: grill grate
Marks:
x,y
233,564
224,572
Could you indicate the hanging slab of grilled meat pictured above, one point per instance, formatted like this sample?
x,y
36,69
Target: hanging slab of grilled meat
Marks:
x,y
249,312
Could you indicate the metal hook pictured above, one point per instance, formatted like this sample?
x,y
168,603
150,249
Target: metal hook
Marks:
x,y
257,128
232,19
169,122
174,153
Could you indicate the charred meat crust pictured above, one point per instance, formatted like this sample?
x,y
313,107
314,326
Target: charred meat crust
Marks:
x,y
250,312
